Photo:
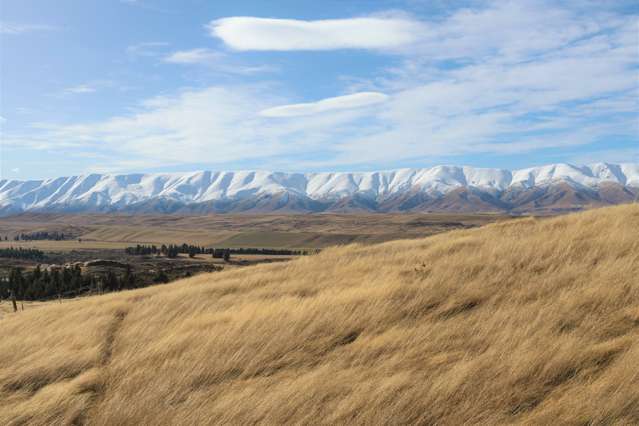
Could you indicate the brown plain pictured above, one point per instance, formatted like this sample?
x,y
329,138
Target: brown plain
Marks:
x,y
299,231
520,322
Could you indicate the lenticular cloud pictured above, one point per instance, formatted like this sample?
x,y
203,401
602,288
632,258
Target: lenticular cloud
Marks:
x,y
356,100
250,33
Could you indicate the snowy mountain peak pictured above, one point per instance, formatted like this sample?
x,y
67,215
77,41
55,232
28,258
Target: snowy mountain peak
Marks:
x,y
244,190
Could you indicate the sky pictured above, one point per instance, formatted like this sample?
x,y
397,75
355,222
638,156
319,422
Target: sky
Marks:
x,y
121,86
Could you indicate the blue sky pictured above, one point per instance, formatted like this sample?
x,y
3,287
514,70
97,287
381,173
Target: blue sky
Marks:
x,y
157,85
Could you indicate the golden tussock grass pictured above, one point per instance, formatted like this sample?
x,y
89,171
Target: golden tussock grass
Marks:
x,y
529,321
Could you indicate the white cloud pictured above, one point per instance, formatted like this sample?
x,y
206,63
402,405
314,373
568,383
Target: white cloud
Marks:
x,y
193,56
356,100
250,33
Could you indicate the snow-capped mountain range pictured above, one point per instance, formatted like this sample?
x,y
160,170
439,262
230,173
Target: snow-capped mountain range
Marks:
x,y
442,188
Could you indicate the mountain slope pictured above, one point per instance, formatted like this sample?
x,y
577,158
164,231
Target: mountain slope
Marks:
x,y
442,188
532,321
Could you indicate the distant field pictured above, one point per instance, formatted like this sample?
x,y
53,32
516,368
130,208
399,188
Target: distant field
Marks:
x,y
274,231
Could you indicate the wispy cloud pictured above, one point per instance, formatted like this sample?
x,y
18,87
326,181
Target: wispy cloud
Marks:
x,y
507,79
83,88
89,87
12,28
146,4
355,100
250,33
216,61
630,155
193,56
147,49
172,130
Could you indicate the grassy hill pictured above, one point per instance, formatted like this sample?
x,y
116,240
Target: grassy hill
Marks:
x,y
528,321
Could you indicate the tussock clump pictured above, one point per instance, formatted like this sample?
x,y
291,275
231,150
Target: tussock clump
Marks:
x,y
524,322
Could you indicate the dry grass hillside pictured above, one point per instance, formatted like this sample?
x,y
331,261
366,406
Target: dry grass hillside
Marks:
x,y
529,321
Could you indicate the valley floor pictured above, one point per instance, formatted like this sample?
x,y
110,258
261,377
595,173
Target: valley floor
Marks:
x,y
299,231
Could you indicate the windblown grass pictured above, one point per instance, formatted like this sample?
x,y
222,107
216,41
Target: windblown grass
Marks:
x,y
530,321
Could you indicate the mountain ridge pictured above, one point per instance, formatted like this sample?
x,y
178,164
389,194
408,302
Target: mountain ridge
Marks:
x,y
439,188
